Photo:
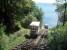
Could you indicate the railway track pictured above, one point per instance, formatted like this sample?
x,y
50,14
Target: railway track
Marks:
x,y
27,45
40,44
24,46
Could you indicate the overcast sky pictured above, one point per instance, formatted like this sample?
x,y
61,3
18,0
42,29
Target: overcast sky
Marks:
x,y
44,1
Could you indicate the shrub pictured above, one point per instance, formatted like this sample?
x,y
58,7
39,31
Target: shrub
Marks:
x,y
59,38
4,40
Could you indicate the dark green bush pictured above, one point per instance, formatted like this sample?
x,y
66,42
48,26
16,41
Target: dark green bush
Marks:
x,y
4,40
58,40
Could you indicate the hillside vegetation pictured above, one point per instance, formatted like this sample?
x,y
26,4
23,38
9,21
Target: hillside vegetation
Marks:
x,y
57,38
15,17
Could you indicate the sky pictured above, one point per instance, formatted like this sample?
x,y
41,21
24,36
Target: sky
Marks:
x,y
44,1
49,15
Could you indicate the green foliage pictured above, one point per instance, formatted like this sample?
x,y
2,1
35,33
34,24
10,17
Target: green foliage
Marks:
x,y
37,13
17,38
27,20
12,11
11,41
34,15
4,40
13,15
62,10
58,38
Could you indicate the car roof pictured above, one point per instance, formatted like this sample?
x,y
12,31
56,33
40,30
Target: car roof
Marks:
x,y
35,23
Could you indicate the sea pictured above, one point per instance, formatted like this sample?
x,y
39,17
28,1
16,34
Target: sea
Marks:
x,y
50,16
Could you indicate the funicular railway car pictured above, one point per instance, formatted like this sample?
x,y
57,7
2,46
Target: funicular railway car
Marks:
x,y
34,26
37,33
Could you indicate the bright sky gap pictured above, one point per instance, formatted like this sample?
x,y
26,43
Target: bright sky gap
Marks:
x,y
45,1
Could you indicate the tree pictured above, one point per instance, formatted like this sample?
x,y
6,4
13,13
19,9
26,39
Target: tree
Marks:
x,y
37,12
61,9
27,20
14,10
35,15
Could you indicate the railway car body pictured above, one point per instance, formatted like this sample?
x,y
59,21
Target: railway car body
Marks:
x,y
46,26
34,26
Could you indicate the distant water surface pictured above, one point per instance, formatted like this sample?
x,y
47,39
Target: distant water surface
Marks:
x,y
49,16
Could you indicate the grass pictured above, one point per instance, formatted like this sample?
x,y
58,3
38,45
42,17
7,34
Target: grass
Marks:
x,y
18,38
